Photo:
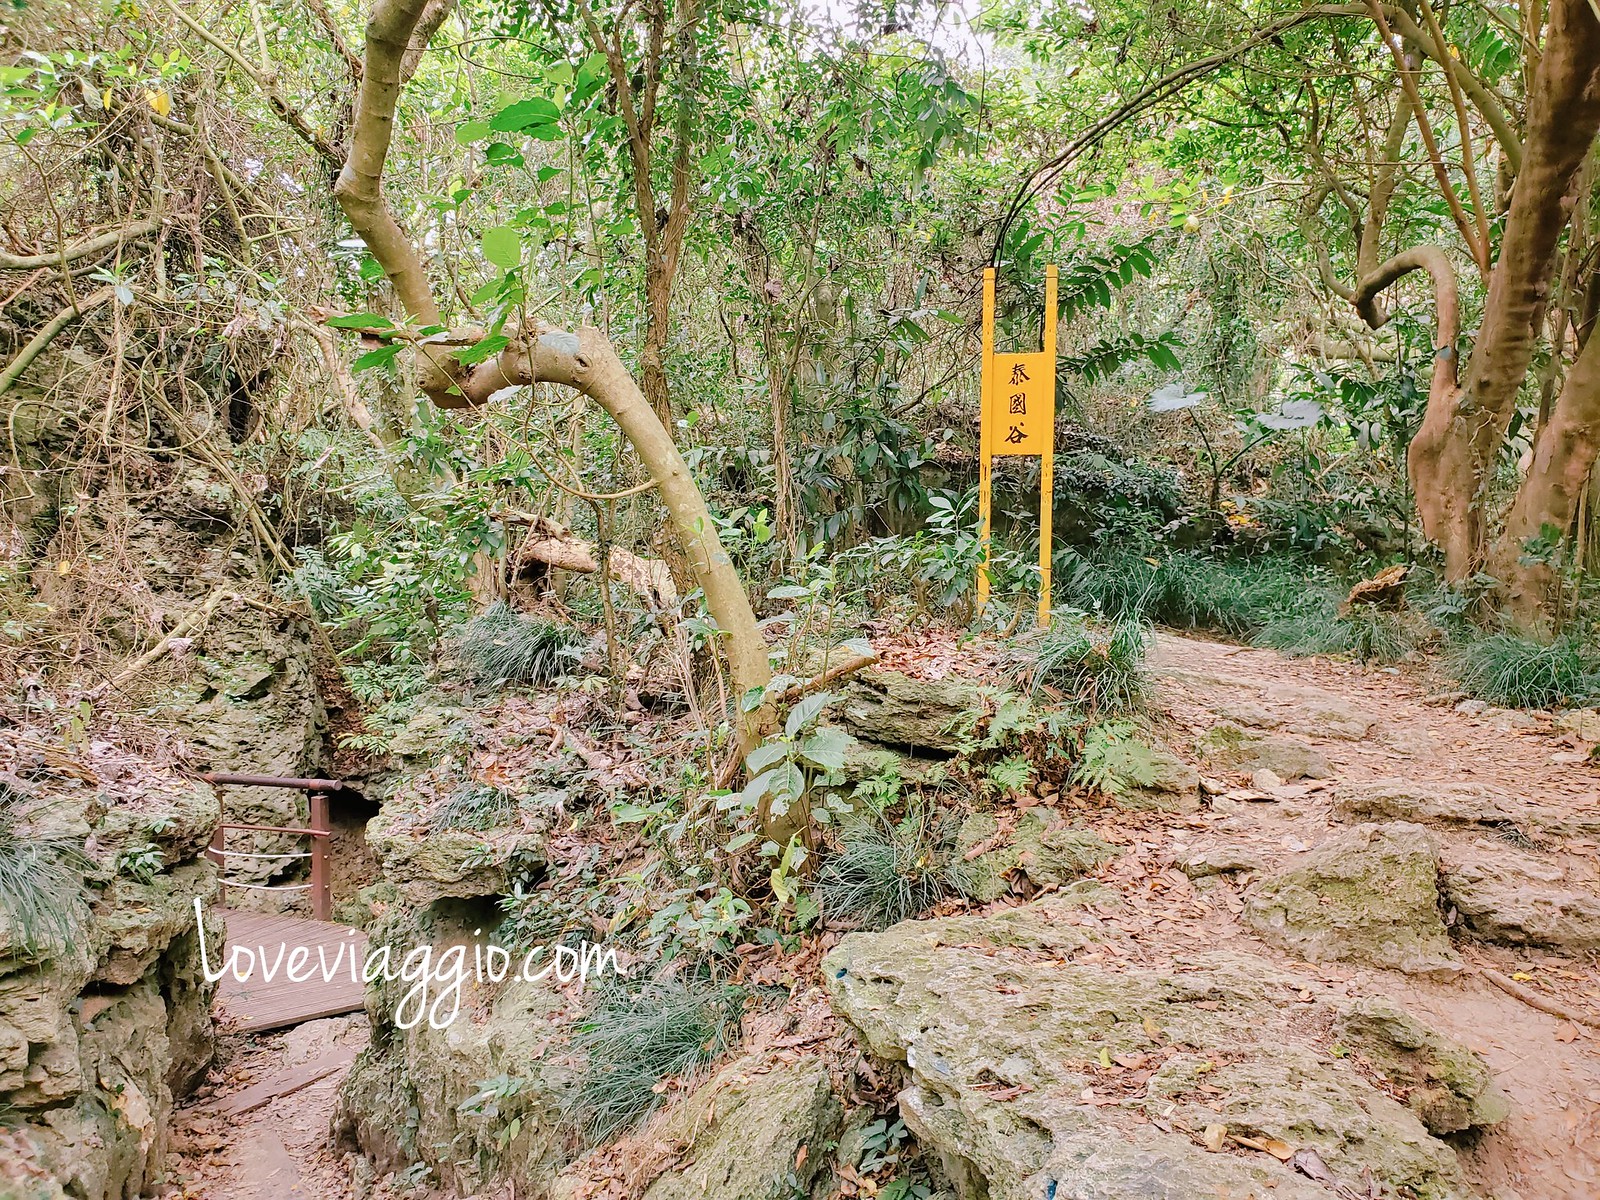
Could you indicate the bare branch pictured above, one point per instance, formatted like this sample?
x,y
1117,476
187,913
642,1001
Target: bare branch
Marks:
x,y
67,254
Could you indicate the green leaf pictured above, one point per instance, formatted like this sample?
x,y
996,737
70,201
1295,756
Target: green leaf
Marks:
x,y
502,247
525,116
805,711
472,131
752,699
826,748
764,756
483,351
788,592
740,842
381,357
363,320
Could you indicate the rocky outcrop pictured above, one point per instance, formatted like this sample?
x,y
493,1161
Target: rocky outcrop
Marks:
x,y
426,859
742,1132
447,1096
1461,804
1448,1086
896,710
1504,895
1029,1075
1044,852
1233,747
104,1011
1369,894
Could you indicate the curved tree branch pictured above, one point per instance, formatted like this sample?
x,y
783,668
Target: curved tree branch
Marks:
x,y
83,249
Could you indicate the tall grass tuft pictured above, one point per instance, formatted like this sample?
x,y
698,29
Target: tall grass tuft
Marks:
x,y
637,1035
41,881
502,645
1188,590
1519,672
1100,667
887,873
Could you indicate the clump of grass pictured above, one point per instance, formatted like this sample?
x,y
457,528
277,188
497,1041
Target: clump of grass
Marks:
x,y
503,645
475,807
639,1034
1099,666
41,881
1191,591
1369,634
888,873
1519,672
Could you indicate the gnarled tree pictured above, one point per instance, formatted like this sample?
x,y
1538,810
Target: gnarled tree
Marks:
x,y
1471,404
534,353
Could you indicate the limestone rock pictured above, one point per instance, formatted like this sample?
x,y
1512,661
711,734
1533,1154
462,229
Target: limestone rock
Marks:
x,y
1503,895
1451,1088
1232,746
1368,894
1175,788
1002,1044
135,922
1583,723
1047,852
896,710
1215,858
1439,802
425,863
744,1132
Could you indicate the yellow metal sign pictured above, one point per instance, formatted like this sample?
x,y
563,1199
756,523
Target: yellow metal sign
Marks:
x,y
1022,404
1018,417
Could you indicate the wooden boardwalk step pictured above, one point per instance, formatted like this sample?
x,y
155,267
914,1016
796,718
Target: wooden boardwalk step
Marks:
x,y
259,1003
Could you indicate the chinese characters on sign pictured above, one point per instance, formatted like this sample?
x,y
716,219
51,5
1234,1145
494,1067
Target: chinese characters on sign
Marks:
x,y
1018,418
1023,403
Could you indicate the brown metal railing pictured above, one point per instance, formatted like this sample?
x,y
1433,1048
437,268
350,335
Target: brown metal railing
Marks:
x,y
319,831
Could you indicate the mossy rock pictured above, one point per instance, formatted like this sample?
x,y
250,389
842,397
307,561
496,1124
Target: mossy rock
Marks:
x,y
1048,852
1450,1087
1369,894
1236,748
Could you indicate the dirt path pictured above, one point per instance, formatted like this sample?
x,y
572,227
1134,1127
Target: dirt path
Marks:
x,y
1374,724
282,1150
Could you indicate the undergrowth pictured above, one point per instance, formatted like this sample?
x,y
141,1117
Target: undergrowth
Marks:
x,y
885,873
1519,672
640,1034
475,807
41,878
1101,667
503,645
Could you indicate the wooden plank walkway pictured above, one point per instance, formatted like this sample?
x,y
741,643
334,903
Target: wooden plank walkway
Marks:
x,y
260,1003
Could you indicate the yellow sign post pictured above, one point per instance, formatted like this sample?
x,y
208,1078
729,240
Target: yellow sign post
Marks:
x,y
1018,418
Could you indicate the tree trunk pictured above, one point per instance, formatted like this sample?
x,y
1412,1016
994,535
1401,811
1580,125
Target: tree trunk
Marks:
x,y
1453,453
1563,458
585,361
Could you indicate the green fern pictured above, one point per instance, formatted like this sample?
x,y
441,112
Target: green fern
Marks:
x,y
1114,760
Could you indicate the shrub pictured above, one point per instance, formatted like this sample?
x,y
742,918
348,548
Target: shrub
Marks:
x,y
1102,667
1190,591
475,807
1519,672
639,1034
41,880
503,645
885,874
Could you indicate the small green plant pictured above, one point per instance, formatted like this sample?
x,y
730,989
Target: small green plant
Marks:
x,y
641,1034
501,645
881,792
1114,760
1519,672
489,1100
887,873
1100,667
1010,774
41,880
784,768
142,863
880,1144
475,807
